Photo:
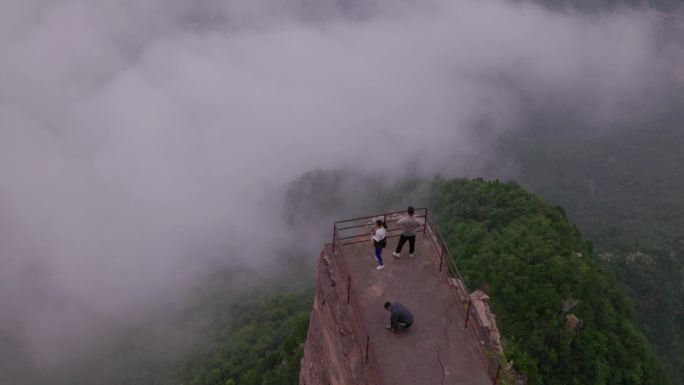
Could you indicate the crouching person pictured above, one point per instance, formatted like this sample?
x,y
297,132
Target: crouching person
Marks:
x,y
401,318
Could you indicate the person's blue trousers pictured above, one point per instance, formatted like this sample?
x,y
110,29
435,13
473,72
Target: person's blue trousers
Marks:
x,y
378,255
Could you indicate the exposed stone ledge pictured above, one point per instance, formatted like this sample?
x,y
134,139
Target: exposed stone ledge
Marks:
x,y
480,303
333,352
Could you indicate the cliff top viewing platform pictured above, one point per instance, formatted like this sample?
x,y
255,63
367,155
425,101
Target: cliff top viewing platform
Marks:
x,y
438,348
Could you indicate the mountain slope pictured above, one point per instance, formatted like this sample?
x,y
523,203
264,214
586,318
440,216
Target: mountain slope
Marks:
x,y
624,190
530,260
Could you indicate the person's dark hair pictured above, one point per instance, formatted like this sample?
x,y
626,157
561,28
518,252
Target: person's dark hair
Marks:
x,y
380,222
411,210
388,305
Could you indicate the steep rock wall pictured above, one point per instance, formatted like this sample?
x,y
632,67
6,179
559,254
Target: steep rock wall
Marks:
x,y
334,348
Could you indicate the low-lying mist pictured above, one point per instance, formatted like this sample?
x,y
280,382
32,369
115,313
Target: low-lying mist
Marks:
x,y
145,145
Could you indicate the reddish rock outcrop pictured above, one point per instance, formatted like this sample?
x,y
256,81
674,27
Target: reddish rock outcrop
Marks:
x,y
334,349
480,303
487,318
437,350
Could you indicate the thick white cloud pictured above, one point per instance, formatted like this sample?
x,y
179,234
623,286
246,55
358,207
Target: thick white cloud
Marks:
x,y
137,139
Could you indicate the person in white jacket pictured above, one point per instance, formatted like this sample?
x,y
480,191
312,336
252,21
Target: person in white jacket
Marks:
x,y
379,241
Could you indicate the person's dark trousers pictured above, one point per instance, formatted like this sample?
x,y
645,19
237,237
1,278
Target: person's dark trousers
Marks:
x,y
402,326
411,240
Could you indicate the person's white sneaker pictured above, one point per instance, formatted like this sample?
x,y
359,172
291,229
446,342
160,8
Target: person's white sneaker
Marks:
x,y
412,255
396,254
380,267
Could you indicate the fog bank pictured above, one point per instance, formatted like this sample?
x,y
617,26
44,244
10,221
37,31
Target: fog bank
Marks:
x,y
143,144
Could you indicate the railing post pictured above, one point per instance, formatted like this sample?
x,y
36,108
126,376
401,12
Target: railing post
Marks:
x,y
367,344
470,301
441,260
387,230
334,237
498,371
348,289
426,222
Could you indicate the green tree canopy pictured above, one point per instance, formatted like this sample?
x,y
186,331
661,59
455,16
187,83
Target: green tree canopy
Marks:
x,y
530,259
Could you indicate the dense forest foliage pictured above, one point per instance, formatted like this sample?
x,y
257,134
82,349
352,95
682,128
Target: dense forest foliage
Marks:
x,y
531,259
262,345
524,252
624,189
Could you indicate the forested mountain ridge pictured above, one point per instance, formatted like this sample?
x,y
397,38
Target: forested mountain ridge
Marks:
x,y
260,345
530,260
623,188
522,251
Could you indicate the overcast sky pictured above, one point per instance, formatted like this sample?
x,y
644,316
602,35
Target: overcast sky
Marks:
x,y
139,140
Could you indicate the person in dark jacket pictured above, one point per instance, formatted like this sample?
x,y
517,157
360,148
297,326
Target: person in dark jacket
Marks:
x,y
401,318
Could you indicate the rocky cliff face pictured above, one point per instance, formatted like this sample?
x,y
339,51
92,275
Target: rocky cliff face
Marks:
x,y
335,347
334,352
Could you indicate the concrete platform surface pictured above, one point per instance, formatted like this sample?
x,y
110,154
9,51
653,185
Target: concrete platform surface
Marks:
x,y
436,350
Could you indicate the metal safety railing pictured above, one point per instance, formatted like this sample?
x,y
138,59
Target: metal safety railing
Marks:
x,y
357,230
369,358
472,321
